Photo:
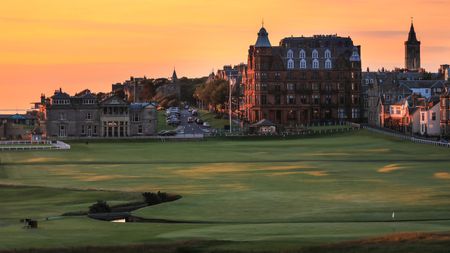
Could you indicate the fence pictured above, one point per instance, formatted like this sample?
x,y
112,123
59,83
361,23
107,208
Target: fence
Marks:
x,y
33,145
408,138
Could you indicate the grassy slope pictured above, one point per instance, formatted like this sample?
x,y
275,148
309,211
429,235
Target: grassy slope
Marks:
x,y
210,118
261,191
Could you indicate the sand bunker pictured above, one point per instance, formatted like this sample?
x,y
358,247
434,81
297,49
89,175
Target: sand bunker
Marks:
x,y
442,175
390,168
42,159
309,173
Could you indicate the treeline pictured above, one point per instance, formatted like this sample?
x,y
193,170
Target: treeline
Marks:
x,y
213,93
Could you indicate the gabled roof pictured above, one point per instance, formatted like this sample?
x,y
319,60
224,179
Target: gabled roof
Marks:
x,y
113,100
263,122
59,94
422,84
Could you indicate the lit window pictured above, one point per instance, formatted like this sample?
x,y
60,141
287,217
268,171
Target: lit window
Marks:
x,y
328,64
302,54
315,54
315,64
290,54
290,64
303,64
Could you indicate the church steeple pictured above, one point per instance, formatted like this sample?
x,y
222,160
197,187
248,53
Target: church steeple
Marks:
x,y
174,75
412,50
412,33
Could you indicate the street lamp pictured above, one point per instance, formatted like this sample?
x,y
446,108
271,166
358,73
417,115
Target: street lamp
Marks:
x,y
231,82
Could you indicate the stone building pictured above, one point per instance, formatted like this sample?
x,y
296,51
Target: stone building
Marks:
x,y
83,115
303,80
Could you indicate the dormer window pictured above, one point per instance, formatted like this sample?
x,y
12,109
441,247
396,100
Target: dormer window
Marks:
x,y
315,64
328,64
303,64
290,64
315,54
302,54
290,54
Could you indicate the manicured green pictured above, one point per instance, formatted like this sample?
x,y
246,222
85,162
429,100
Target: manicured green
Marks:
x,y
266,194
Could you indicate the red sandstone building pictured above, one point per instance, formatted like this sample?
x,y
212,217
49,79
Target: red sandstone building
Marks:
x,y
303,80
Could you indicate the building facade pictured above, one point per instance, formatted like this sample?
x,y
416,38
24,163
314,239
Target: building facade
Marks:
x,y
303,80
83,115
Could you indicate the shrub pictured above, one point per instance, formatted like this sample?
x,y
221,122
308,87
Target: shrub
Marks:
x,y
100,207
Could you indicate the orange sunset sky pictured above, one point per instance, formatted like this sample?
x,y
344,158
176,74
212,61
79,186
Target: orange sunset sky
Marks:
x,y
47,44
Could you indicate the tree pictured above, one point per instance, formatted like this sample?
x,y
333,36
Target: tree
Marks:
x,y
100,207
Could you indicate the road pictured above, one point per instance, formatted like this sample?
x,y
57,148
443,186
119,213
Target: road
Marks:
x,y
189,128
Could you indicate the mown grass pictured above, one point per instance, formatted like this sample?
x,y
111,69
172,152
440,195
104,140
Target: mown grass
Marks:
x,y
255,194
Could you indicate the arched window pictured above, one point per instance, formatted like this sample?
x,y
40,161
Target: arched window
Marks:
x,y
315,54
315,64
290,64
302,54
328,64
290,54
327,54
303,64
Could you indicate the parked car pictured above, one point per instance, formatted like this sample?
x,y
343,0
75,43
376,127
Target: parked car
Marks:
x,y
167,133
194,113
206,124
199,121
190,120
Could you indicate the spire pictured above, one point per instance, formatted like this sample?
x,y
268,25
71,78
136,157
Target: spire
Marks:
x,y
174,75
412,32
263,38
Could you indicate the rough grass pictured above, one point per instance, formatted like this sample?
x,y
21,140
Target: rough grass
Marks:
x,y
255,194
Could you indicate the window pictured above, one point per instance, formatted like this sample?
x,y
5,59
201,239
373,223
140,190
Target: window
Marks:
x,y
341,113
433,116
315,86
302,54
264,86
315,54
315,64
263,99
290,54
290,99
139,129
62,116
290,64
277,100
423,116
290,86
83,129
327,54
303,99
316,99
328,64
328,99
303,64
136,117
88,116
355,113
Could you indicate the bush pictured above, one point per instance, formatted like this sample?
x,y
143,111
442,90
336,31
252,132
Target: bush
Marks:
x,y
155,198
100,207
